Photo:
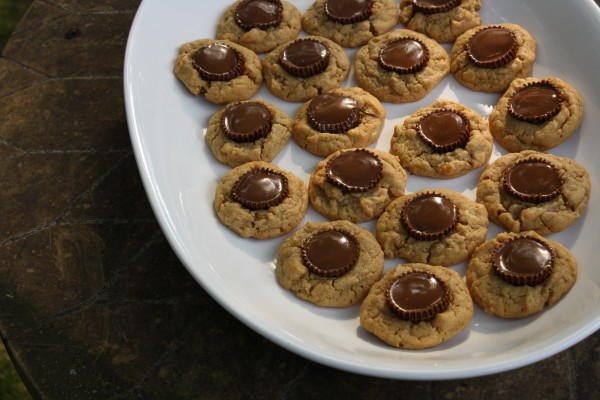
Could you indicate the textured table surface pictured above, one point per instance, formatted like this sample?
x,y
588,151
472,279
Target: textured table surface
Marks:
x,y
93,302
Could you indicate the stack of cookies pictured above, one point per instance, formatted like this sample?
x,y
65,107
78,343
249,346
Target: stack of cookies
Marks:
x,y
528,192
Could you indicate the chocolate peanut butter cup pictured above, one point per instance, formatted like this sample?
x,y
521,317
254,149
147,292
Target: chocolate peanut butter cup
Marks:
x,y
218,62
444,130
523,261
492,47
536,102
261,14
260,189
429,216
404,56
305,57
348,11
333,113
246,122
330,253
532,180
435,6
354,171
418,296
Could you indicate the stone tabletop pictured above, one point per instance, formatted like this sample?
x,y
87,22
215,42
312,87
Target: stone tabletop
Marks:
x,y
93,302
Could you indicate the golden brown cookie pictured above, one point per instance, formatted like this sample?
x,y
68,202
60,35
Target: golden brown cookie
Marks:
x,y
330,264
400,66
443,21
443,140
543,193
356,184
502,286
260,25
536,114
260,200
301,69
341,119
219,70
253,130
417,306
489,57
432,226
350,23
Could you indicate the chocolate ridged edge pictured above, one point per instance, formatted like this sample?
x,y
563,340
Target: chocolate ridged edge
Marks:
x,y
402,70
427,235
366,14
530,198
261,26
354,189
537,119
238,70
519,279
260,205
452,146
352,122
495,63
245,137
433,9
425,314
307,71
334,272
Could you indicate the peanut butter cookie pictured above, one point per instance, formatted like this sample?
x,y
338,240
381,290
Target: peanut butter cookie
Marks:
x,y
517,275
260,200
443,21
248,131
219,70
536,114
417,306
488,58
401,66
303,68
432,226
331,264
534,191
350,23
341,119
356,184
444,140
260,25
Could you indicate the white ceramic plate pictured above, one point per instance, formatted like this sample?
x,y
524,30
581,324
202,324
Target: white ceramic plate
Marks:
x,y
167,126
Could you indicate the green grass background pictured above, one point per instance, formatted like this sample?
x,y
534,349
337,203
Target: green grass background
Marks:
x,y
11,387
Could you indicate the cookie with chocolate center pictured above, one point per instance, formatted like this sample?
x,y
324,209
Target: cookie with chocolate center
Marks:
x,y
434,226
441,20
253,130
341,119
304,68
516,275
533,191
219,70
260,25
260,200
330,264
350,23
536,114
443,140
488,58
417,306
356,184
400,66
